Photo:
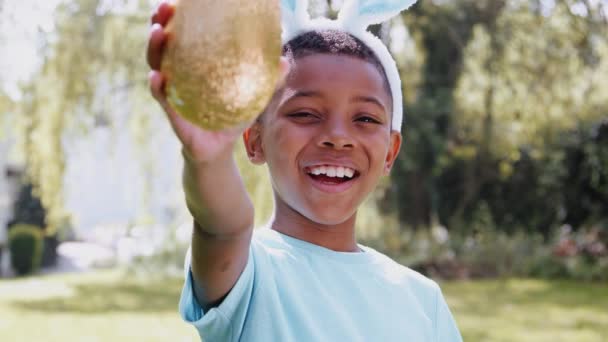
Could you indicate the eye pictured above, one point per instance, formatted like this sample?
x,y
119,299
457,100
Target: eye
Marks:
x,y
300,115
368,119
303,117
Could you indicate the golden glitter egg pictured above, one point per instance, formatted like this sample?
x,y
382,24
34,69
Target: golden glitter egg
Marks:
x,y
221,60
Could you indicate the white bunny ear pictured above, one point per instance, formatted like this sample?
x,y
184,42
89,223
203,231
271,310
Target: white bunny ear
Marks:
x,y
294,17
359,14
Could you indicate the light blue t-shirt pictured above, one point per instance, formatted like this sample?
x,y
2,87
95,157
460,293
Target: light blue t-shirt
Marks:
x,y
292,290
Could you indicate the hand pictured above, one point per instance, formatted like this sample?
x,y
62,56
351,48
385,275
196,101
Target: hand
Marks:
x,y
199,145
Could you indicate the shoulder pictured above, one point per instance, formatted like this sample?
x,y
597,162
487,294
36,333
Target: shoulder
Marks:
x,y
267,238
404,276
269,248
267,241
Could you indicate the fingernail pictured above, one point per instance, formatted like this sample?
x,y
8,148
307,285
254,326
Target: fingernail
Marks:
x,y
152,76
155,27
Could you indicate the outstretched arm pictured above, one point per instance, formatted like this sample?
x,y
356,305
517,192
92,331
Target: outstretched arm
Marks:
x,y
215,193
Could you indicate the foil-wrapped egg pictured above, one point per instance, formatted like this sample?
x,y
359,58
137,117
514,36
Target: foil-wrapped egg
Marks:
x,y
221,60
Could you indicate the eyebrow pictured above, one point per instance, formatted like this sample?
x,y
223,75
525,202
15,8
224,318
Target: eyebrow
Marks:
x,y
312,93
371,99
304,93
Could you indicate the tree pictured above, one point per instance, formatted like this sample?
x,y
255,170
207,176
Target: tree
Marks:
x,y
87,59
93,74
442,31
501,83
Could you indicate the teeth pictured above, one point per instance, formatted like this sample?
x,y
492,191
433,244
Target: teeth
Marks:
x,y
340,172
333,171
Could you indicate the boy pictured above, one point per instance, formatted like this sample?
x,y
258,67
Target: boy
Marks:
x,y
327,137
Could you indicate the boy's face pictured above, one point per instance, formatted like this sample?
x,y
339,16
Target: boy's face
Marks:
x,y
332,116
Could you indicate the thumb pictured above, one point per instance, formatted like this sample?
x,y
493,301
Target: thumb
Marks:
x,y
157,87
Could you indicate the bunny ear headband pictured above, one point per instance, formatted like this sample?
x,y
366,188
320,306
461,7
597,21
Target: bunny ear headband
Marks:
x,y
354,18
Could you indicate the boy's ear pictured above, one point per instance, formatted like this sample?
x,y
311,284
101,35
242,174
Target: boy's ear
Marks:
x,y
252,137
393,151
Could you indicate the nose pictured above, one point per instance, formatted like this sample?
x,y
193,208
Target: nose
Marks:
x,y
336,135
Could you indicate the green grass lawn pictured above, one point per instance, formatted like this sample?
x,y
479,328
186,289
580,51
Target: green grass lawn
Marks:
x,y
529,310
98,306
107,306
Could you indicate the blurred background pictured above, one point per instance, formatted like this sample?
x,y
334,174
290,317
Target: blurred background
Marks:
x,y
500,192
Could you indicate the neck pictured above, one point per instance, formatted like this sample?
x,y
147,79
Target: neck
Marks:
x,y
337,237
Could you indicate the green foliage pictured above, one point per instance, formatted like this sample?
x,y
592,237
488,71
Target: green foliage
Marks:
x,y
258,185
509,99
575,267
505,131
6,105
547,266
530,73
26,243
478,248
95,55
28,209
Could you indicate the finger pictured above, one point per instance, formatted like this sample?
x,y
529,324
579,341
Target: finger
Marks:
x,y
157,88
164,12
157,85
156,44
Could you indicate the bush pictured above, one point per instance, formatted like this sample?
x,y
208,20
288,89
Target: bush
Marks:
x,y
1,253
480,250
26,243
548,266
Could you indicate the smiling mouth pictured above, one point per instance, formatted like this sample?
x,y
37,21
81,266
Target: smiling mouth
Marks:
x,y
332,175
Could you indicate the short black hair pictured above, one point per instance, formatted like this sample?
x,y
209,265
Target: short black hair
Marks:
x,y
333,42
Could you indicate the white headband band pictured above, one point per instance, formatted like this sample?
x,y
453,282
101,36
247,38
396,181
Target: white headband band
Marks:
x,y
354,18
